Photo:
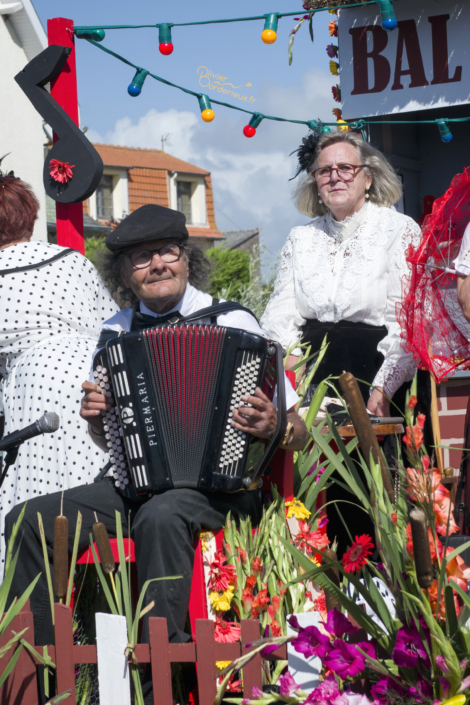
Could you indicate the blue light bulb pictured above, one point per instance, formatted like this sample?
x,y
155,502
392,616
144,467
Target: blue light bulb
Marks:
x,y
133,90
389,25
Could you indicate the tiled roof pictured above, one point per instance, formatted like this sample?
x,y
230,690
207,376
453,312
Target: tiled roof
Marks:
x,y
113,155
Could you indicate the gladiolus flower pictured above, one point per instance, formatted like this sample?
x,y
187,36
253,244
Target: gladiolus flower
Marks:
x,y
356,557
445,522
310,540
221,601
412,401
457,571
327,693
420,420
441,662
250,582
409,648
226,632
394,518
333,28
276,602
414,437
296,509
257,568
320,604
337,624
287,685
275,628
346,660
242,554
221,576
261,600
311,642
61,171
247,600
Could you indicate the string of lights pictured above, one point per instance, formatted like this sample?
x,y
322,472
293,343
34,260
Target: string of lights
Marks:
x,y
207,114
268,35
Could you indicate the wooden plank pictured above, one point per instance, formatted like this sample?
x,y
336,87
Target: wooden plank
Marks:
x,y
207,670
182,653
64,651
250,630
64,91
160,659
113,668
81,654
20,688
197,598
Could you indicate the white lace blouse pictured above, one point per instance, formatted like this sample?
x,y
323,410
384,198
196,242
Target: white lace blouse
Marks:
x,y
350,270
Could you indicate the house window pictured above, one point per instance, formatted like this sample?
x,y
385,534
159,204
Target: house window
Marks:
x,y
104,198
183,199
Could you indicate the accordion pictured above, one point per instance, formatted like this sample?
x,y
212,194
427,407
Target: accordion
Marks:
x,y
173,391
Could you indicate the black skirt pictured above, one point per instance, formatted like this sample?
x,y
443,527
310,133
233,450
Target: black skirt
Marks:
x,y
352,348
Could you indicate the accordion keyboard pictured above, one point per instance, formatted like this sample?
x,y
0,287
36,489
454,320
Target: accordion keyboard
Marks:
x,y
113,431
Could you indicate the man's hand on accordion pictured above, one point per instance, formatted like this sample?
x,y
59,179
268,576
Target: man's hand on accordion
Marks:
x,y
260,420
93,403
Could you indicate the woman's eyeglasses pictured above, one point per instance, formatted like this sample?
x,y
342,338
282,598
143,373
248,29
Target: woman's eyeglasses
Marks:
x,y
141,259
346,172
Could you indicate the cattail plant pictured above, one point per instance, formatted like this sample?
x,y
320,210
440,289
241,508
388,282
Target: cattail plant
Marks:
x,y
421,548
61,553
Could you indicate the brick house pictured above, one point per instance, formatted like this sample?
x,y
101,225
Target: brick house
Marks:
x,y
133,177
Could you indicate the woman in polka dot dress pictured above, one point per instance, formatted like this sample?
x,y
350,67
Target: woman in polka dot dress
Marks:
x,y
52,304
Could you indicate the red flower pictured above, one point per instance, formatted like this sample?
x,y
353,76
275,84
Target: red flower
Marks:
x,y
336,90
61,171
356,558
271,611
310,540
414,437
276,628
257,567
412,401
337,113
320,603
247,599
221,576
226,632
394,518
276,602
242,554
281,592
250,582
333,28
261,600
421,419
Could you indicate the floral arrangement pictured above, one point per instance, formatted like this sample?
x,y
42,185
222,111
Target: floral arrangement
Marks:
x,y
61,171
411,642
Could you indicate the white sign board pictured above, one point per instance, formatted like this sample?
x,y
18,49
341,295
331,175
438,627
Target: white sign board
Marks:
x,y
424,63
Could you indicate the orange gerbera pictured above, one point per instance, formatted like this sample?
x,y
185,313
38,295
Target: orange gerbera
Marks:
x,y
356,557
226,632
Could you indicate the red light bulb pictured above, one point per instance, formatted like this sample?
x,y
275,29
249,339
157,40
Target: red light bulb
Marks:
x,y
249,131
166,49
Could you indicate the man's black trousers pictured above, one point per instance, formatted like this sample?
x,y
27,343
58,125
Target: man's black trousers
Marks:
x,y
164,529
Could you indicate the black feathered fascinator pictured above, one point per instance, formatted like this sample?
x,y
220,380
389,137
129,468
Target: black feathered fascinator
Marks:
x,y
306,152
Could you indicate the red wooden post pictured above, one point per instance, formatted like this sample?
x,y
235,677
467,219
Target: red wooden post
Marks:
x,y
207,670
252,671
64,91
64,651
20,688
160,659
197,599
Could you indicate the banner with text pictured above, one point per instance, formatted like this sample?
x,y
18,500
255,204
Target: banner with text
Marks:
x,y
424,63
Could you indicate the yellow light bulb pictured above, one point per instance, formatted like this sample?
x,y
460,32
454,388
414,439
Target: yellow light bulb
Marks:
x,y
268,36
208,115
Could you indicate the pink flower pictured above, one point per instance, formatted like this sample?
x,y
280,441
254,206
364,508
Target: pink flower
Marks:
x,y
221,576
346,660
332,51
311,642
287,685
61,171
337,624
327,693
310,540
409,648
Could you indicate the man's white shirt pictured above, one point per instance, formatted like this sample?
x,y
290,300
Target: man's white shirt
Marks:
x,y
194,300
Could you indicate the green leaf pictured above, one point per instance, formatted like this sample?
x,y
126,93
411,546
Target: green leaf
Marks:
x,y
60,698
18,605
310,26
11,665
11,542
140,602
452,624
74,559
124,581
47,566
102,579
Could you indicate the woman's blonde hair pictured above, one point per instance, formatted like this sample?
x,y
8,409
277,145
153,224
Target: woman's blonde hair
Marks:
x,y
386,187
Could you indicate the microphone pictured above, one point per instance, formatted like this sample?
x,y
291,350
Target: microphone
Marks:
x,y
48,423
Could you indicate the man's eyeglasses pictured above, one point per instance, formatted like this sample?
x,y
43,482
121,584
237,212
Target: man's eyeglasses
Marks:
x,y
346,172
141,259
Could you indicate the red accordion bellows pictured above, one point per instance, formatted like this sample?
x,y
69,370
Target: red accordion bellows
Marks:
x,y
433,326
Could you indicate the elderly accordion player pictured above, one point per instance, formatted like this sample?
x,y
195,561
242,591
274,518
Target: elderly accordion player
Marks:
x,y
174,389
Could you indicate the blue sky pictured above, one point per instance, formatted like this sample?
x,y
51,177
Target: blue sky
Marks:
x,y
250,176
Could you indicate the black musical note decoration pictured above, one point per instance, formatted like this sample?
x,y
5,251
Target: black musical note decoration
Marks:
x,y
79,168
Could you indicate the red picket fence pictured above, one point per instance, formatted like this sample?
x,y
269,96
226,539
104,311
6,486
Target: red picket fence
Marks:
x,y
20,688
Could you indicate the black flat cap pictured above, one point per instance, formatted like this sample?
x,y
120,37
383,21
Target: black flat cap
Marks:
x,y
150,222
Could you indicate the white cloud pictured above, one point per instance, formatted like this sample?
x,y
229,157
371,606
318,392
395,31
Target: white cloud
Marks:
x,y
250,176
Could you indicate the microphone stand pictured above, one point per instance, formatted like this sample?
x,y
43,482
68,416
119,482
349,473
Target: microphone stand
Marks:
x,y
9,459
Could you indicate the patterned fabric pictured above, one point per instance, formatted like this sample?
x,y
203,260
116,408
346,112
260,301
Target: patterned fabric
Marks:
x,y
349,270
51,320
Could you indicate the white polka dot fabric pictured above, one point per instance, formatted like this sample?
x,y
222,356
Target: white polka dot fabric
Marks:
x,y
49,324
